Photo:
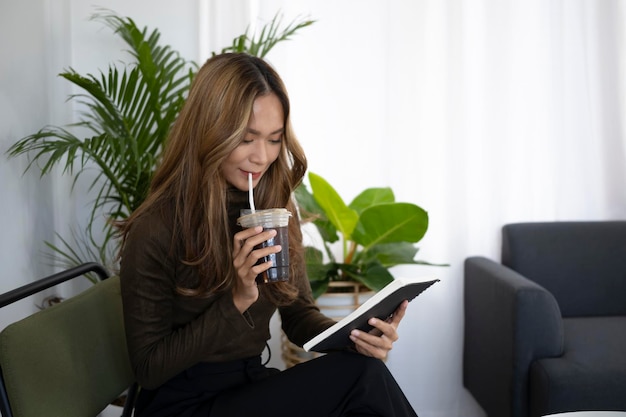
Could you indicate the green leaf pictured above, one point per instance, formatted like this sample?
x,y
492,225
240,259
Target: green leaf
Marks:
x,y
374,276
340,215
312,212
371,197
316,271
390,254
318,288
387,223
259,45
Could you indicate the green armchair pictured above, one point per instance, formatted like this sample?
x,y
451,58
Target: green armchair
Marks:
x,y
67,360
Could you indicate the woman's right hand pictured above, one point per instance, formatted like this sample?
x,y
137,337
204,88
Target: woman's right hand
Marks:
x,y
245,257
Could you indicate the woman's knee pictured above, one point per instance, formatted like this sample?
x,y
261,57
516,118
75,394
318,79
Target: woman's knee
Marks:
x,y
359,363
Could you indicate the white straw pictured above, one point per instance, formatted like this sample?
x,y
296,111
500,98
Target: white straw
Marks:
x,y
250,193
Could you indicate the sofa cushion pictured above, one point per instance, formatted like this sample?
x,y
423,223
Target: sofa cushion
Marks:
x,y
583,264
591,374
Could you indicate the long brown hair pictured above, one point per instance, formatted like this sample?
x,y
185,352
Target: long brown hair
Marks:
x,y
209,127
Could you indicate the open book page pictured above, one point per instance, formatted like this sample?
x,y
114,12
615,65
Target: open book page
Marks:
x,y
381,305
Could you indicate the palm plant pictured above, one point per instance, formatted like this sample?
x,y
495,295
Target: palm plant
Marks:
x,y
127,115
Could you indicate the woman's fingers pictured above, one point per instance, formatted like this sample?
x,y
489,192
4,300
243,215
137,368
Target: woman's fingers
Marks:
x,y
246,252
379,341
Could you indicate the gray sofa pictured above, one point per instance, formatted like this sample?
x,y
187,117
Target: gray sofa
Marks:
x,y
545,328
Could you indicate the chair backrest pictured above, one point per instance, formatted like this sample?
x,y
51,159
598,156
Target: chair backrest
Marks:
x,y
70,359
582,263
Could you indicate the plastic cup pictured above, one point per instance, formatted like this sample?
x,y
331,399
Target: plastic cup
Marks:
x,y
277,219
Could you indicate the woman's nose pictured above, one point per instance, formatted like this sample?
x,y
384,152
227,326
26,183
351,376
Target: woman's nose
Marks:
x,y
259,152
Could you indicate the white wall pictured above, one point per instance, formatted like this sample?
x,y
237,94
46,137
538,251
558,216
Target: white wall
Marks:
x,y
441,100
26,85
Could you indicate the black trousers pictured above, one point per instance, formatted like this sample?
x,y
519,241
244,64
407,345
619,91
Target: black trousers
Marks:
x,y
338,384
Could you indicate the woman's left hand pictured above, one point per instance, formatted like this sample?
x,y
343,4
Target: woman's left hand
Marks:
x,y
379,341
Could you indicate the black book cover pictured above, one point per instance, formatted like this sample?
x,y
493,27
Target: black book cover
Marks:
x,y
380,305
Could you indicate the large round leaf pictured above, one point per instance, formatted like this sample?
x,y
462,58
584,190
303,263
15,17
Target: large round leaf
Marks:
x,y
371,197
390,254
388,223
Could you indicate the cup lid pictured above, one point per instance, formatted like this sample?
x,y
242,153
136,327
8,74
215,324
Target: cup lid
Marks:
x,y
275,217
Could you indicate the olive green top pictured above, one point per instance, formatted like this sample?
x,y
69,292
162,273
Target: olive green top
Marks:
x,y
168,332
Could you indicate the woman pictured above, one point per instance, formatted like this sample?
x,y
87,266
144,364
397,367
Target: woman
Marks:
x,y
196,321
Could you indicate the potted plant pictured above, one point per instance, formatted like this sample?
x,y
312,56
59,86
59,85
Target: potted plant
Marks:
x,y
127,117
375,233
361,241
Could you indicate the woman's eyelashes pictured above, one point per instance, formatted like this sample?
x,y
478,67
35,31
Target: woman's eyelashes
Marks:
x,y
274,141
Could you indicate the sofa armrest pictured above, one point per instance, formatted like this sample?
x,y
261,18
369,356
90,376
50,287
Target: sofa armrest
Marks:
x,y
509,322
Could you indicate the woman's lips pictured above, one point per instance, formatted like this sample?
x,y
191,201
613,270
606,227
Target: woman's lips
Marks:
x,y
255,175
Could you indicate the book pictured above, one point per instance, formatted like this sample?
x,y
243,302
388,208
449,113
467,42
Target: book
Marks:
x,y
381,305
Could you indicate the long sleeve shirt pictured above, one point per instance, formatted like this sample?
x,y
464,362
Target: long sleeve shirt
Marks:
x,y
168,332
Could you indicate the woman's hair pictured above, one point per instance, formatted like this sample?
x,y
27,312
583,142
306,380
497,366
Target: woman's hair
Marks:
x,y
211,124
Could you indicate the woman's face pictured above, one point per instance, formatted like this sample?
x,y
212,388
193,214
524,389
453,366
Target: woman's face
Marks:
x,y
260,146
